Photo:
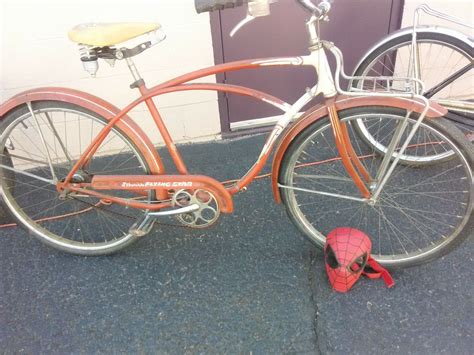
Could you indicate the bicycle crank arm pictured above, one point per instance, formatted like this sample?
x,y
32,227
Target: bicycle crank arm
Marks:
x,y
187,209
145,224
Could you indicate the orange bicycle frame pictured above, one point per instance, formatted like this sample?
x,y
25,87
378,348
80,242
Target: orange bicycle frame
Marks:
x,y
164,184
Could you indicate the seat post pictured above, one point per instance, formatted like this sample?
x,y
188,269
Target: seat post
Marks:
x,y
140,85
136,75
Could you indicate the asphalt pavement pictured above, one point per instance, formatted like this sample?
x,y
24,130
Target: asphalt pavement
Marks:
x,y
250,284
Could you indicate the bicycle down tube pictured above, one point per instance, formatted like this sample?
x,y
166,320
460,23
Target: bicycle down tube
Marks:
x,y
179,84
317,59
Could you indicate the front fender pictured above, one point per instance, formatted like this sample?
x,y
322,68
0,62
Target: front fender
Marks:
x,y
96,105
342,102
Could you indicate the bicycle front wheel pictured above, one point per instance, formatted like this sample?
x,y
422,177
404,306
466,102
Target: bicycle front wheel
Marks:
x,y
446,68
42,148
422,212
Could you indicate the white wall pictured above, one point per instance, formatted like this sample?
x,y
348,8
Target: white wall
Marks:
x,y
35,51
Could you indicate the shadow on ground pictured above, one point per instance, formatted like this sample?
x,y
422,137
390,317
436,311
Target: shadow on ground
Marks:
x,y
249,284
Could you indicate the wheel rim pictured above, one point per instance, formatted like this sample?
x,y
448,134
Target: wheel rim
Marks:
x,y
77,223
406,225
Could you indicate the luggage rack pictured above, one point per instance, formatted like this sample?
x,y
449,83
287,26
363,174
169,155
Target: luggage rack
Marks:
x,y
425,8
385,84
413,74
409,86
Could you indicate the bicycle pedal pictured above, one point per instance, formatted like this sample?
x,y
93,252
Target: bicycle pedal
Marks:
x,y
142,227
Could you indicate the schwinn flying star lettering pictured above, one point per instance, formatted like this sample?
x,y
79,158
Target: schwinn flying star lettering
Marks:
x,y
151,184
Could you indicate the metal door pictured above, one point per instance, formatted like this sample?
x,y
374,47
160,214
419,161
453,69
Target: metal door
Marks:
x,y
354,26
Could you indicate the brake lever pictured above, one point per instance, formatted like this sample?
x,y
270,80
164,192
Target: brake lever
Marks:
x,y
249,18
255,8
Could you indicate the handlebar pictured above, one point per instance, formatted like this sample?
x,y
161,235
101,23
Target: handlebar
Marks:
x,y
213,5
319,10
259,8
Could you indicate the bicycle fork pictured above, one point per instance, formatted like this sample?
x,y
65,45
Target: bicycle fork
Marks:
x,y
349,158
352,163
386,170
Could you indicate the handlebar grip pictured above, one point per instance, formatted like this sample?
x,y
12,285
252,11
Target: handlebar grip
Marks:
x,y
214,5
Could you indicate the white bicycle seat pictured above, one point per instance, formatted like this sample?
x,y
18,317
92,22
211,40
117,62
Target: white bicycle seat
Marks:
x,y
109,34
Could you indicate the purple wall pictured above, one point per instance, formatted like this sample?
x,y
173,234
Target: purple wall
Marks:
x,y
354,27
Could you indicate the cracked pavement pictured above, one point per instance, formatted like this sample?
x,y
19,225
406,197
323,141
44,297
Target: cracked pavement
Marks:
x,y
251,283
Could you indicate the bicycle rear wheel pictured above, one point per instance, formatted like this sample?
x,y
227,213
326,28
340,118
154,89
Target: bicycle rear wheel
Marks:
x,y
422,212
440,57
59,132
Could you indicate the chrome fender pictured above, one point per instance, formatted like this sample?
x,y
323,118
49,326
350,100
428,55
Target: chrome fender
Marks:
x,y
96,105
421,29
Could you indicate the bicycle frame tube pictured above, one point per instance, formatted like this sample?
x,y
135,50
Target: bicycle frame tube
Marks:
x,y
317,59
455,105
325,86
434,90
168,87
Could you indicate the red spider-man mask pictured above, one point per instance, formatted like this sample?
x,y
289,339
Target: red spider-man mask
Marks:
x,y
347,253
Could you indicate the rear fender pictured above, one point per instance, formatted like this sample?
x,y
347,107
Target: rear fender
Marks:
x,y
342,102
96,105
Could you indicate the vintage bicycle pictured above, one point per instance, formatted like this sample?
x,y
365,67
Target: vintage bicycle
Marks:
x,y
81,176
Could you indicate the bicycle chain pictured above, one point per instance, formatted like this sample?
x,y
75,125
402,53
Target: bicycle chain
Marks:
x,y
131,217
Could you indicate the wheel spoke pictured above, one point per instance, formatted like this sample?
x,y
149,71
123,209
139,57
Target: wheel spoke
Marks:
x,y
45,143
419,211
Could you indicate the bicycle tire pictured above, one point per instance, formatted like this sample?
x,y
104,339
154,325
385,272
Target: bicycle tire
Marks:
x,y
76,224
380,57
5,217
312,163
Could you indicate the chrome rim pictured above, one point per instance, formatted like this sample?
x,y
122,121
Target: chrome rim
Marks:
x,y
420,210
76,223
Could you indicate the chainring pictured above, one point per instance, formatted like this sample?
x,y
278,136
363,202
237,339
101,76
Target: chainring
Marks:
x,y
208,212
